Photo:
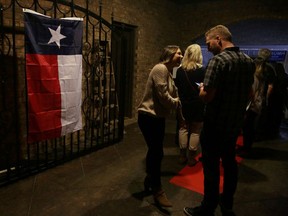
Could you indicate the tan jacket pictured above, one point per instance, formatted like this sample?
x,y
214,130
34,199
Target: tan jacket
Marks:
x,y
160,94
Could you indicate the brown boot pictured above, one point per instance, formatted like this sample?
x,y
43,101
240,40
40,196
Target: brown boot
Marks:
x,y
191,158
183,156
161,199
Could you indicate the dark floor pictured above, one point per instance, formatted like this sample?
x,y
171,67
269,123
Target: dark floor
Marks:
x,y
109,182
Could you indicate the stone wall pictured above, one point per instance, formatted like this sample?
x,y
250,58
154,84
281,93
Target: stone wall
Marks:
x,y
199,17
165,22
162,22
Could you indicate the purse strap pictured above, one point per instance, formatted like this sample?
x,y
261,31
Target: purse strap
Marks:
x,y
189,81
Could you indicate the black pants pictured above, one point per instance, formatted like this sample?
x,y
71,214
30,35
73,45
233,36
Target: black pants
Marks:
x,y
249,129
216,146
153,130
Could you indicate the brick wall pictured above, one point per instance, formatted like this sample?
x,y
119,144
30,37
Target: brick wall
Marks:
x,y
156,23
165,22
199,17
162,22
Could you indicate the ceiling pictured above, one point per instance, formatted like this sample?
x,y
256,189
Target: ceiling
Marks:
x,y
258,32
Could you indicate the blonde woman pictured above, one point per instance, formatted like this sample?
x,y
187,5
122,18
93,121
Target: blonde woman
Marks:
x,y
188,76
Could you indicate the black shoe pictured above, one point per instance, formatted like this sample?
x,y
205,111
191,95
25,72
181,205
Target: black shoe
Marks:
x,y
243,152
226,211
197,211
192,162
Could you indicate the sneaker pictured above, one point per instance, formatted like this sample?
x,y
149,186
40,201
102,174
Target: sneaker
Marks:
x,y
197,211
188,211
161,200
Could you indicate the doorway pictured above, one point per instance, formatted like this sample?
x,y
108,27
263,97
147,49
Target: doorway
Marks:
x,y
123,52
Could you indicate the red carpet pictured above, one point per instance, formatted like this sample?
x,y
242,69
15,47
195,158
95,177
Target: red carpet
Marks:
x,y
192,177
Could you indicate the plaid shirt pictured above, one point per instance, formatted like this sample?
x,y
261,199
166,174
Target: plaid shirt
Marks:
x,y
231,74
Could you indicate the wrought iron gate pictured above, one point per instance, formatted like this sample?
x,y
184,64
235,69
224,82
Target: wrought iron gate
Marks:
x,y
100,109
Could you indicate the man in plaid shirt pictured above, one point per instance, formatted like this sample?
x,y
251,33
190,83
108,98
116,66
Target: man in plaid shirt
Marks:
x,y
225,90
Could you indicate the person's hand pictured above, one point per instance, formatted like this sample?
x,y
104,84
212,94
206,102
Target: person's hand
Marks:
x,y
201,85
179,104
176,100
179,113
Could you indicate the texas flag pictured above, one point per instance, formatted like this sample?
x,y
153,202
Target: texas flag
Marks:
x,y
54,75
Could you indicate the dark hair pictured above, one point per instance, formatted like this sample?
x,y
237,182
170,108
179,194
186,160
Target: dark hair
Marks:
x,y
168,53
264,54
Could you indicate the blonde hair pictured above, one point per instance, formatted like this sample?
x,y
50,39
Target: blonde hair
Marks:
x,y
193,58
220,30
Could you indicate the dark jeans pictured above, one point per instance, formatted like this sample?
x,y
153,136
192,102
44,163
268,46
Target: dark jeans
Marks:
x,y
215,146
153,130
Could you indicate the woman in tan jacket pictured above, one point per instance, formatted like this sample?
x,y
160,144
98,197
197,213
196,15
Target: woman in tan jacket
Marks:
x,y
160,96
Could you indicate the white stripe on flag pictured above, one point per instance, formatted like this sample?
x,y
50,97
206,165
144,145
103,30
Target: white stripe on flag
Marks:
x,y
70,78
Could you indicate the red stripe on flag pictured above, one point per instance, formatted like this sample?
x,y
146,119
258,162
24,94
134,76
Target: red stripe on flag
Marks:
x,y
44,97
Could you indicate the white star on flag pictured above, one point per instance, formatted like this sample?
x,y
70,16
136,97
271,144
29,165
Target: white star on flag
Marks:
x,y
56,36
